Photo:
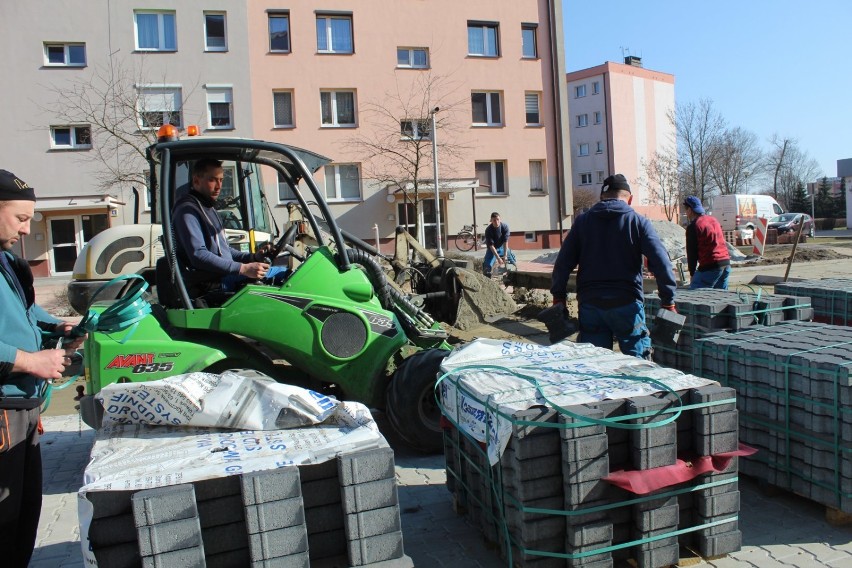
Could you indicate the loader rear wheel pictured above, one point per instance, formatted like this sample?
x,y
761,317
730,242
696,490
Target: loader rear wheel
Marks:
x,y
411,405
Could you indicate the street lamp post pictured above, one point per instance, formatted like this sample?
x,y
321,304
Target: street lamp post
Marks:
x,y
440,249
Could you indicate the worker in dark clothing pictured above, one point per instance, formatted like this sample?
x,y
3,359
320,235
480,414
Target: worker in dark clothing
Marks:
x,y
496,245
24,367
608,243
707,255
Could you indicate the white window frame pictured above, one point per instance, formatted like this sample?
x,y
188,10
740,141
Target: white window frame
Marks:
x,y
524,45
327,29
540,174
161,29
72,132
219,95
600,176
283,16
492,175
274,106
596,87
483,50
66,54
586,178
173,92
532,98
583,149
337,186
579,91
224,46
582,120
598,117
333,109
489,110
418,129
410,64
599,147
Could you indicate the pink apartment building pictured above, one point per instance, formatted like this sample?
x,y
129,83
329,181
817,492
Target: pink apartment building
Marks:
x,y
619,116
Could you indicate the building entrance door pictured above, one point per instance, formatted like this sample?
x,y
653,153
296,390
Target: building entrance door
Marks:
x,y
63,244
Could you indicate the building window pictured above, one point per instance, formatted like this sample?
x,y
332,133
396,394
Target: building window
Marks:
x,y
582,149
599,148
338,108
65,54
586,178
215,38
155,31
582,120
412,57
579,91
334,34
528,41
220,106
596,87
416,129
285,192
71,137
597,117
486,109
600,176
157,106
531,106
279,33
536,176
491,175
342,182
482,39
282,109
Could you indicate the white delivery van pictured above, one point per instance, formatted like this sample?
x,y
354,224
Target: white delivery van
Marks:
x,y
740,212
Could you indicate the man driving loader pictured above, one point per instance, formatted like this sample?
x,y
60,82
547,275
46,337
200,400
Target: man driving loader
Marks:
x,y
206,260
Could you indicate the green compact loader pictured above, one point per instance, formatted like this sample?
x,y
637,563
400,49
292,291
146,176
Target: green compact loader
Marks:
x,y
336,323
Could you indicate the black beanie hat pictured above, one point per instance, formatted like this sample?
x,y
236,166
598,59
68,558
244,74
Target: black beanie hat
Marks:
x,y
12,188
612,183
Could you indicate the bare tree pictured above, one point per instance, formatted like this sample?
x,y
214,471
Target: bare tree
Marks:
x,y
584,199
396,146
108,100
661,179
790,166
736,158
699,128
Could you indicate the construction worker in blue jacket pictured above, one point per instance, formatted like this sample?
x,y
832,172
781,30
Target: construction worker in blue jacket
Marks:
x,y
24,367
607,243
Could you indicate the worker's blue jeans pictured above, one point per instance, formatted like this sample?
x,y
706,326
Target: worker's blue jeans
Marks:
x,y
711,279
626,324
490,259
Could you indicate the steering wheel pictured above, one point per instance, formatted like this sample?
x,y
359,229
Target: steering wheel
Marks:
x,y
287,240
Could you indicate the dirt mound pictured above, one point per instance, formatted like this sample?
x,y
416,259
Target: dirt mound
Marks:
x,y
780,254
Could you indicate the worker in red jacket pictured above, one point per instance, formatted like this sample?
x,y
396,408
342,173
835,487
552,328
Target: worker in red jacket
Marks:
x,y
706,250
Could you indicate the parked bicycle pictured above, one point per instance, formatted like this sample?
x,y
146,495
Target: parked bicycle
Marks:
x,y
465,239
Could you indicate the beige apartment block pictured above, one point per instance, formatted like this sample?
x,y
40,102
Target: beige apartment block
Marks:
x,y
619,118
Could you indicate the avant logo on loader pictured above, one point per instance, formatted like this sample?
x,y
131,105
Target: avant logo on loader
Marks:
x,y
127,361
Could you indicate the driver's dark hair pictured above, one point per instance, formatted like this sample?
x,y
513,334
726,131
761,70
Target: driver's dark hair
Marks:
x,y
204,164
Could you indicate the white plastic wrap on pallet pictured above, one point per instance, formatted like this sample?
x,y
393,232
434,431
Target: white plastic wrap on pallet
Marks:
x,y
489,377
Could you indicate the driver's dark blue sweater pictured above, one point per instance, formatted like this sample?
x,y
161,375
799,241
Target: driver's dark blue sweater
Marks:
x,y
201,240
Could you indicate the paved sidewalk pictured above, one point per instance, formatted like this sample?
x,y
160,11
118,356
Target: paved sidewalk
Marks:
x,y
778,531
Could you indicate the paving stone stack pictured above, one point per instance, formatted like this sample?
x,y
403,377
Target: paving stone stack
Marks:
x,y
795,404
711,311
548,494
831,298
342,512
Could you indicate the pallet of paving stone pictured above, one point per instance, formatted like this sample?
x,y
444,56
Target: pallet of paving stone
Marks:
x,y
794,392
831,298
710,311
341,512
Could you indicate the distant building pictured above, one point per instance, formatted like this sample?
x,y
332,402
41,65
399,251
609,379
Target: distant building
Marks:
x,y
619,117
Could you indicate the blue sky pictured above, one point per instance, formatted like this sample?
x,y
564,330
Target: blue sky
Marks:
x,y
769,66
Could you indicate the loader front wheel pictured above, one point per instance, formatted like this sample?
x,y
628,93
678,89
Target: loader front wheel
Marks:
x,y
411,405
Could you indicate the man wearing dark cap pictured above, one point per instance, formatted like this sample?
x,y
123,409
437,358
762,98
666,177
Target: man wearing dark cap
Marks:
x,y
608,243
496,245
24,368
706,248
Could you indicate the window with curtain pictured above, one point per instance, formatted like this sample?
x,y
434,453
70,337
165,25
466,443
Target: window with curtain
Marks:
x,y
157,106
491,176
338,108
531,105
220,107
282,104
485,108
342,182
155,31
536,176
482,39
334,34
